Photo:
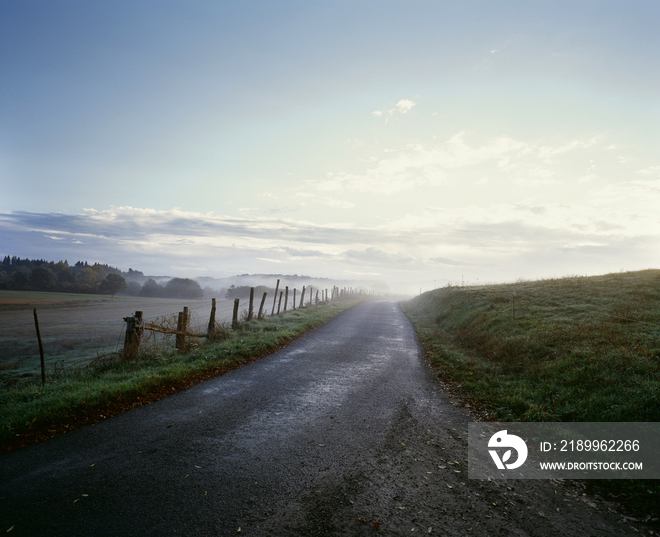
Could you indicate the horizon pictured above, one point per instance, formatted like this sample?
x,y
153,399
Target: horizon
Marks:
x,y
411,144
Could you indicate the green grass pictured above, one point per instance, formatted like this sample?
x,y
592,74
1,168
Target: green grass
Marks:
x,y
74,390
578,349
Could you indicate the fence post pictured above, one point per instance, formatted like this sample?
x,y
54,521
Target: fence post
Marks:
x,y
129,338
286,297
41,349
186,322
279,304
294,298
302,297
261,307
181,326
211,329
133,334
275,298
251,307
317,297
234,317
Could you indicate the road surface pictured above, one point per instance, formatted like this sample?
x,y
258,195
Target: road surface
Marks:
x,y
343,432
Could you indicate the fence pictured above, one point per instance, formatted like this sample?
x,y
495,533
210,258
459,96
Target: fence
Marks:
x,y
136,326
76,330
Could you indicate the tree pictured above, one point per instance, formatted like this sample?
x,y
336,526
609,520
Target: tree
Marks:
x,y
151,289
134,288
19,279
183,288
64,273
112,284
43,279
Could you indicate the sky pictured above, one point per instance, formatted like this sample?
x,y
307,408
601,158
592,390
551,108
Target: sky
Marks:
x,y
416,143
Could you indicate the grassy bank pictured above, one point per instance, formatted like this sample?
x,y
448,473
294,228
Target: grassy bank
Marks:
x,y
78,396
578,349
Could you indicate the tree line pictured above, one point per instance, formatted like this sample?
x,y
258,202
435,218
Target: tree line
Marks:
x,y
40,275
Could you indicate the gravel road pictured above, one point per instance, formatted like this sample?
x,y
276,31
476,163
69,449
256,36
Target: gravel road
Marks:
x,y
343,432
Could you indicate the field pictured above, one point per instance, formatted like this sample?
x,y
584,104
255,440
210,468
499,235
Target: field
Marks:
x,y
570,349
77,329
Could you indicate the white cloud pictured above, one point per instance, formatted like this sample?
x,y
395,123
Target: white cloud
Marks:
x,y
496,238
651,170
417,165
338,204
405,105
549,152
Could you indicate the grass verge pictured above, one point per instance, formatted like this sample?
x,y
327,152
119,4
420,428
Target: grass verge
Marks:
x,y
578,349
81,396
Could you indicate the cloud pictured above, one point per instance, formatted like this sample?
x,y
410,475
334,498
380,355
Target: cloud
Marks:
x,y
549,152
651,170
338,204
488,240
405,105
417,165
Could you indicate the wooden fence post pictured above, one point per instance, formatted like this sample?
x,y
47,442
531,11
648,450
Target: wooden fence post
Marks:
x,y
251,307
211,329
41,349
182,326
286,297
279,304
261,307
129,338
294,298
275,298
302,297
317,297
186,322
133,334
234,317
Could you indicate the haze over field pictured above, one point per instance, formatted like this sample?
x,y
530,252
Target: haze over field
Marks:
x,y
412,143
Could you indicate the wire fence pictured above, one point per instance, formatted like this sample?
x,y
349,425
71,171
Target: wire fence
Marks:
x,y
83,332
79,331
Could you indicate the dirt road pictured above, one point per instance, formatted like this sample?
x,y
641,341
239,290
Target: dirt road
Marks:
x,y
344,432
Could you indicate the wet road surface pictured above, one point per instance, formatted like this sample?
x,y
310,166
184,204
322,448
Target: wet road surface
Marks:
x,y
344,432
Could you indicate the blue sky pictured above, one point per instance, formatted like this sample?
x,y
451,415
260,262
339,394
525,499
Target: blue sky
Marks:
x,y
413,142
